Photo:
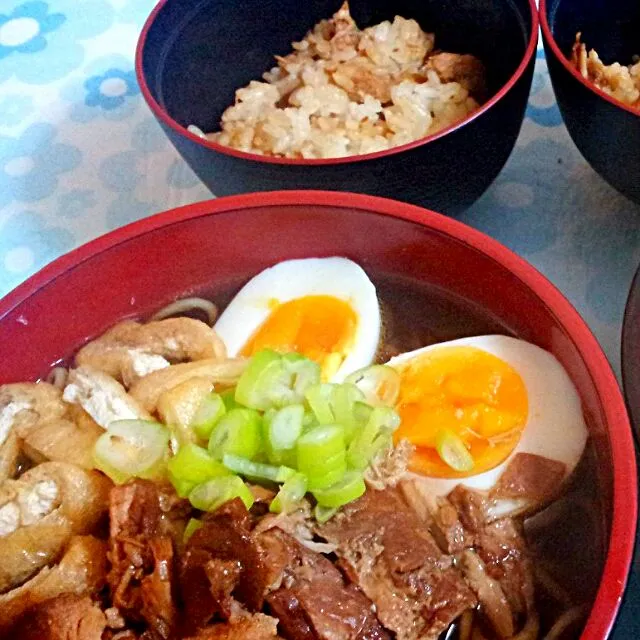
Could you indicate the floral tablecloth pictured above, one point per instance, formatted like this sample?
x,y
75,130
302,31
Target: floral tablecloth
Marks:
x,y
80,154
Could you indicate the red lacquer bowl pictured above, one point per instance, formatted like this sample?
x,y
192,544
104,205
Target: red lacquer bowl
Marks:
x,y
139,268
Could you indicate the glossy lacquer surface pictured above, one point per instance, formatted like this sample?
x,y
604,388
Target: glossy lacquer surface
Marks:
x,y
138,268
192,56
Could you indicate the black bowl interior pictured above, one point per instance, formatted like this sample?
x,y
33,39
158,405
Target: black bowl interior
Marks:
x,y
611,27
198,53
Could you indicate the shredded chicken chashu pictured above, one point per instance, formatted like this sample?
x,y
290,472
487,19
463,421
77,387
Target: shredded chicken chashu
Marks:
x,y
397,560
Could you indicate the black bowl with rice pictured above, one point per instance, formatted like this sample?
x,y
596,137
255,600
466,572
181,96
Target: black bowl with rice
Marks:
x,y
419,101
592,51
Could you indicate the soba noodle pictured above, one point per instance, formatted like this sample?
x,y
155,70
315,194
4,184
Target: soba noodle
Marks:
x,y
185,305
568,618
58,377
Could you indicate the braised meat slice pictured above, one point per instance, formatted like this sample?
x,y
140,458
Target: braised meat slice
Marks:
x,y
66,617
311,599
255,627
141,578
387,550
502,548
206,585
291,616
221,569
499,543
226,535
531,478
490,594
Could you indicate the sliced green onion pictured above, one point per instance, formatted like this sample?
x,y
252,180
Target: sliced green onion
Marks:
x,y
324,514
303,372
215,492
327,477
343,400
318,398
379,383
237,432
264,372
274,380
382,421
192,526
324,465
362,412
385,418
229,399
282,428
211,409
183,487
132,448
290,494
193,465
453,451
350,488
257,470
309,421
382,442
319,444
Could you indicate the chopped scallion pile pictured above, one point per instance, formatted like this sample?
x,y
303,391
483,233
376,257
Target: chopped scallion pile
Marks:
x,y
280,426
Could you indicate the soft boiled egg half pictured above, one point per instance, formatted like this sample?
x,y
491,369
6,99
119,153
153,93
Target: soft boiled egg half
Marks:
x,y
324,308
497,395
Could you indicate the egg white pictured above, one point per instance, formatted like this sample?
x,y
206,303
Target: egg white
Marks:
x,y
555,426
292,279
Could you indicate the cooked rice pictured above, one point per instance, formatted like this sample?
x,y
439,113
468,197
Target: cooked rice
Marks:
x,y
619,81
344,92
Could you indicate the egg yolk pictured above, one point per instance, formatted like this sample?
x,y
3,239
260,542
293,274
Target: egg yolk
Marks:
x,y
472,393
319,327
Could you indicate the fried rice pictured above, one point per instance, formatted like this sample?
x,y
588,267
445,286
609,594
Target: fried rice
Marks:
x,y
621,82
345,91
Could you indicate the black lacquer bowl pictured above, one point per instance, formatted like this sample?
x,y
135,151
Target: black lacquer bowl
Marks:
x,y
606,132
193,55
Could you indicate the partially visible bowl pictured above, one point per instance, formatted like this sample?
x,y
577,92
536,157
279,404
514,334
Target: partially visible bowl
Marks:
x,y
192,56
221,243
631,353
606,132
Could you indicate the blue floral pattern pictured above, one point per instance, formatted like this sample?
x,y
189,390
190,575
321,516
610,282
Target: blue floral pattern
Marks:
x,y
76,203
28,243
25,28
109,91
31,163
14,108
56,29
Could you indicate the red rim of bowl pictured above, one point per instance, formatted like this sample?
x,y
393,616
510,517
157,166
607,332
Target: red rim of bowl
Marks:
x,y
164,116
624,508
557,52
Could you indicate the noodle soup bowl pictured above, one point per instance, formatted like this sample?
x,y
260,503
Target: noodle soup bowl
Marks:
x,y
193,56
216,246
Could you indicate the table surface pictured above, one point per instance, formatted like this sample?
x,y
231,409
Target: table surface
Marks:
x,y
80,154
